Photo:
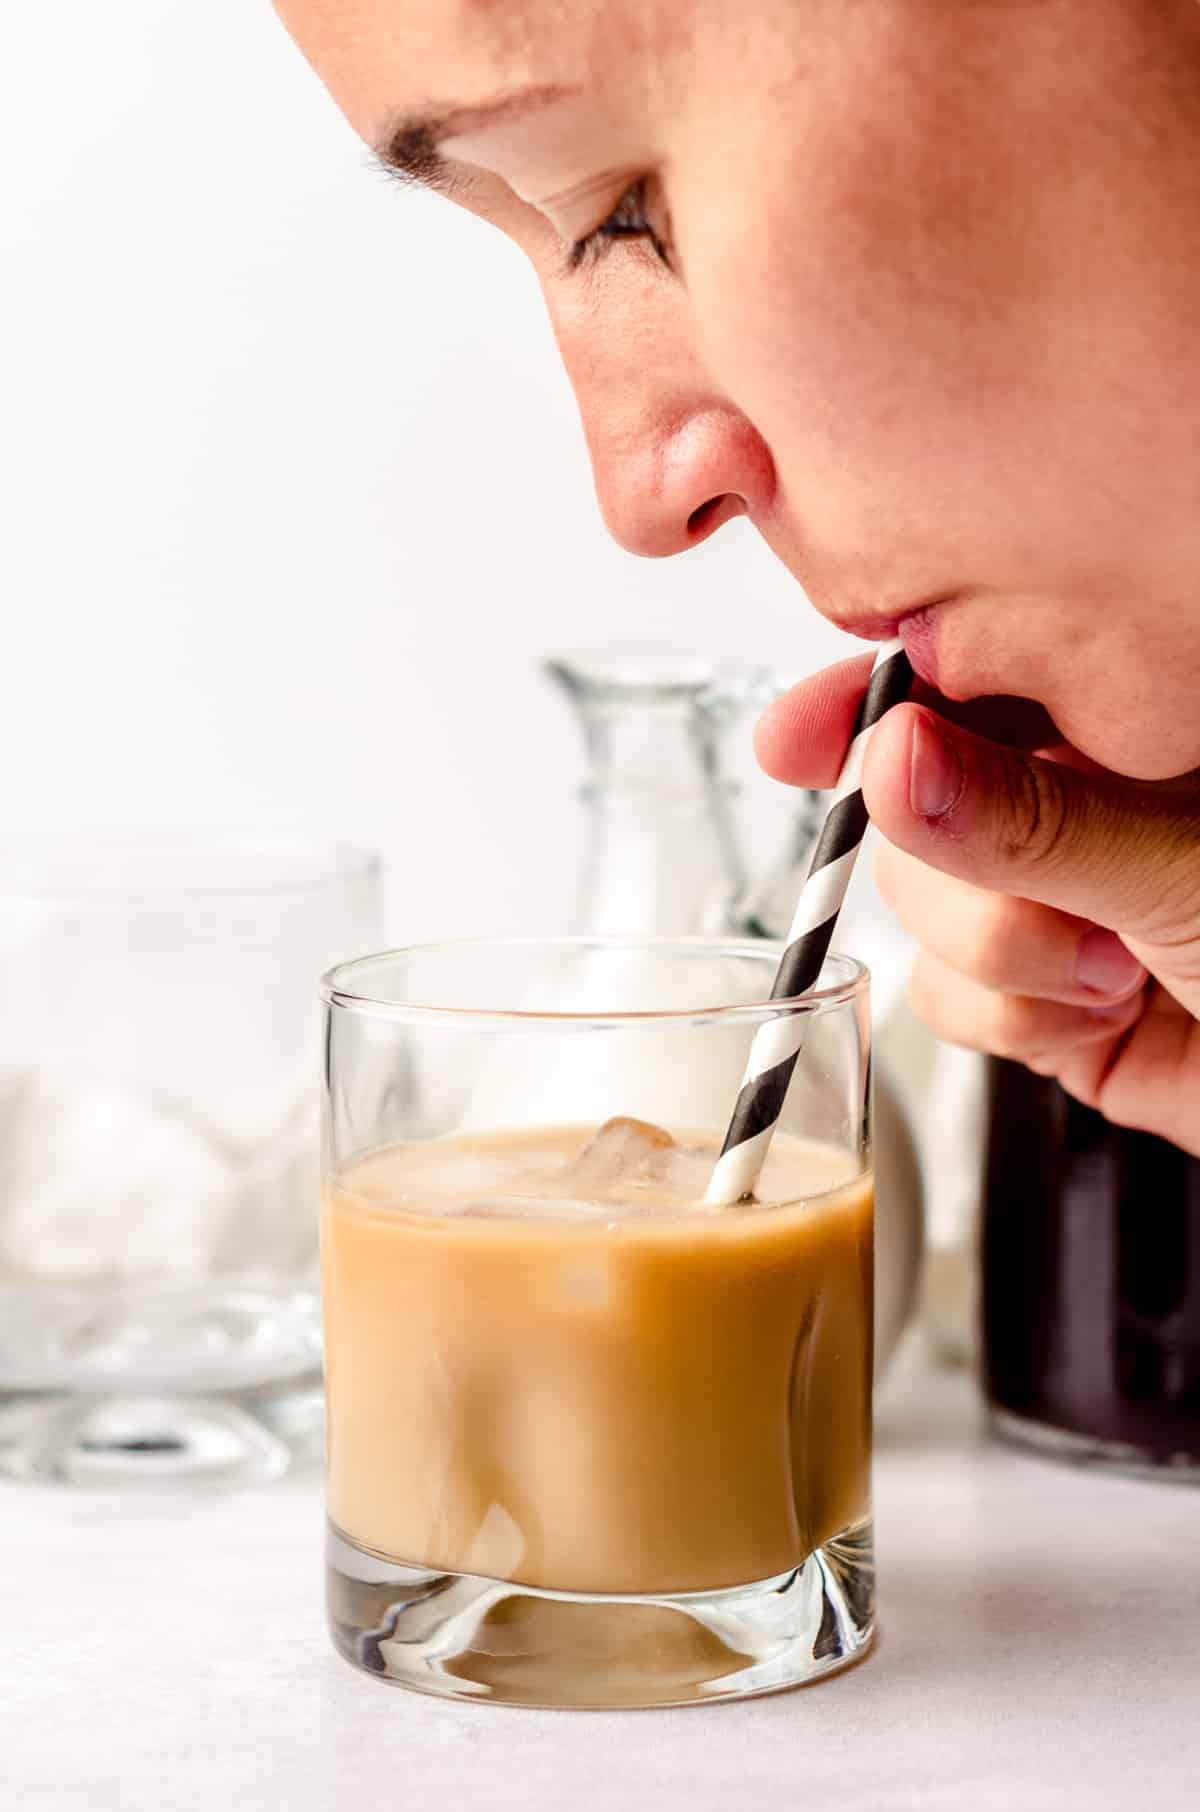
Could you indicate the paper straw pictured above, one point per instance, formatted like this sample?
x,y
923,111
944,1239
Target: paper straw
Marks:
x,y
777,1043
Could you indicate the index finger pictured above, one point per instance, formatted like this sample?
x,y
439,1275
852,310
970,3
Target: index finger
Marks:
x,y
802,737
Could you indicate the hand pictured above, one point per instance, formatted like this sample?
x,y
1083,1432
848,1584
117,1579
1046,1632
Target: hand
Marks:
x,y
1057,905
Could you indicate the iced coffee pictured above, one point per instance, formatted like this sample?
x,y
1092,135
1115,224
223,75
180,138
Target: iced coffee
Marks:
x,y
591,1440
548,1362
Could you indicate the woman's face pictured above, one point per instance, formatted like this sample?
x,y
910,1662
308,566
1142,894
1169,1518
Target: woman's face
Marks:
x,y
910,283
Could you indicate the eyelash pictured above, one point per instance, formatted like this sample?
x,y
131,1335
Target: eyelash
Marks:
x,y
628,220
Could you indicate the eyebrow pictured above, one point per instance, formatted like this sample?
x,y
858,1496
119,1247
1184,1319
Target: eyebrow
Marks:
x,y
411,149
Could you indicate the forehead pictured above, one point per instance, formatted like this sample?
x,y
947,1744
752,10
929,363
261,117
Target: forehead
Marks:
x,y
380,58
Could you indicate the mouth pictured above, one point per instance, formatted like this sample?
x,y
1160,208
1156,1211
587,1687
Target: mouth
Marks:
x,y
1018,722
917,629
918,633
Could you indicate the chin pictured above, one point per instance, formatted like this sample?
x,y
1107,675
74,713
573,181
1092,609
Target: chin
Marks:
x,y
1137,750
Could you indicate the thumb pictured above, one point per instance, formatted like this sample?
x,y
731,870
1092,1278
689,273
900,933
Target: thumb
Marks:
x,y
1124,854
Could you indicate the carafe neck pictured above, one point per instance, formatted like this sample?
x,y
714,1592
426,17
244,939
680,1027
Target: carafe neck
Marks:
x,y
663,853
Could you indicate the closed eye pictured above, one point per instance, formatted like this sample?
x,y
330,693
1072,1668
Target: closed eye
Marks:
x,y
628,220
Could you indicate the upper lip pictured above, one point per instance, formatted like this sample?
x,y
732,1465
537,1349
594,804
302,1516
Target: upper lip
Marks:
x,y
874,629
883,628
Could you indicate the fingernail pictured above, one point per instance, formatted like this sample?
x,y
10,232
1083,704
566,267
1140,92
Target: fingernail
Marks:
x,y
935,778
1103,964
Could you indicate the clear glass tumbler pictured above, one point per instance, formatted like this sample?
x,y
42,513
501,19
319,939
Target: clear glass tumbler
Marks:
x,y
159,1125
590,1442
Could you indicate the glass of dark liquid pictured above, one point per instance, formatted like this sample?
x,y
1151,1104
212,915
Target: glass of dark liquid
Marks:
x,y
1091,1283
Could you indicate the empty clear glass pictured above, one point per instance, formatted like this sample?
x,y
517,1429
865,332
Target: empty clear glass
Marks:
x,y
158,1150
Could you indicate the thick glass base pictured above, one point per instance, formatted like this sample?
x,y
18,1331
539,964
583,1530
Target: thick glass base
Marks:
x,y
463,1637
1090,1450
152,1438
217,1382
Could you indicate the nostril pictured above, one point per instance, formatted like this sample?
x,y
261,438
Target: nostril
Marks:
x,y
701,518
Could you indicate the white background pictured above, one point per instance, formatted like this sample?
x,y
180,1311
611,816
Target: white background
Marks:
x,y
295,497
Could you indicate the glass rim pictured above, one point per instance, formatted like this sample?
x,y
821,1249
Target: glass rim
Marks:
x,y
335,863
337,992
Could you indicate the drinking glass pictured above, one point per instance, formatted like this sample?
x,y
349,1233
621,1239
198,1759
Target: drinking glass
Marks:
x,y
591,1442
159,1119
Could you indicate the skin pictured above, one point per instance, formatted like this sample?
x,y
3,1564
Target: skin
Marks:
x,y
928,318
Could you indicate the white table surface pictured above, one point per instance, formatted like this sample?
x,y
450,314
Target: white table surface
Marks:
x,y
1040,1650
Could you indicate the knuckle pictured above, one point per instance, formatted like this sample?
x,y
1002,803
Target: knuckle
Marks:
x,y
1181,951
1172,924
1033,816
1040,1031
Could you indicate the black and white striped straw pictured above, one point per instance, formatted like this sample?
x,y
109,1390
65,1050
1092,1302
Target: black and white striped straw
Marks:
x,y
777,1043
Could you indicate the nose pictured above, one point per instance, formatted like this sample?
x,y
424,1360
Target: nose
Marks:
x,y
668,479
672,456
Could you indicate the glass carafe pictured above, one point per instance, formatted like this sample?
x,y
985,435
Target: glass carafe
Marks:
x,y
663,855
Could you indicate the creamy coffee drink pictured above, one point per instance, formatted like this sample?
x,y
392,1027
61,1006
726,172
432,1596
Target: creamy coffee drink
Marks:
x,y
548,1362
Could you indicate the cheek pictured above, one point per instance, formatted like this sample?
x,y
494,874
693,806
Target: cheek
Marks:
x,y
934,410
871,300
802,342
855,338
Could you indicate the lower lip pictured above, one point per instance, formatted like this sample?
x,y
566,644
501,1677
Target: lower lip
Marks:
x,y
918,633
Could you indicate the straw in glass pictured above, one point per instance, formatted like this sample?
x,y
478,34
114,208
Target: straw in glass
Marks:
x,y
777,1042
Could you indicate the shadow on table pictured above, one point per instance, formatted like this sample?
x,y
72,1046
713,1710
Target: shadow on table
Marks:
x,y
929,1409
1045,1619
